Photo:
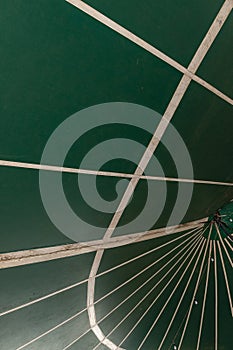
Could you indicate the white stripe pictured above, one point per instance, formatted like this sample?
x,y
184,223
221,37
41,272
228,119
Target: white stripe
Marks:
x,y
43,298
213,89
52,329
200,54
77,339
194,181
216,298
204,299
54,168
32,256
228,243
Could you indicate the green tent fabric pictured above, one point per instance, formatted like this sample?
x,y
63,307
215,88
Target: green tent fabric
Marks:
x,y
148,86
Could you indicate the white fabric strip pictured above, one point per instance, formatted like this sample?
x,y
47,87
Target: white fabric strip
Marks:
x,y
216,299
35,166
33,256
204,298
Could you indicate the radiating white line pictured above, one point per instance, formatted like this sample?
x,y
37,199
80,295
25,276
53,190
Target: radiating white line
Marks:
x,y
32,256
192,247
195,290
54,168
204,298
43,298
183,274
228,243
226,279
52,329
226,251
76,340
199,56
216,298
177,308
196,230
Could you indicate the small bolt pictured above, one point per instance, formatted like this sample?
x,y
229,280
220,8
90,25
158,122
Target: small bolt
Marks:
x,y
175,347
212,259
231,220
195,302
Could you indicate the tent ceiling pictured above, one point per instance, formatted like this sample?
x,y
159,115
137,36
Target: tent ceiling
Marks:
x,y
57,60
